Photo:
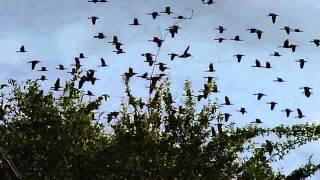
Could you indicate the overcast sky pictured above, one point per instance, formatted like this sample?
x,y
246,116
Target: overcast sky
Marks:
x,y
54,32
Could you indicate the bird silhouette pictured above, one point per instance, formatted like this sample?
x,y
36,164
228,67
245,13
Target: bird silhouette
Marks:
x,y
239,57
185,53
252,30
100,36
242,111
162,67
157,40
297,30
42,78
81,56
119,51
316,42
173,30
301,63
129,74
154,14
89,93
211,69
287,111
287,29
259,33
209,2
236,38
221,29
273,17
144,76
272,105
220,40
276,54
257,121
306,91
226,101
135,22
180,17
61,67
56,86
226,117
279,79
167,11
259,95
22,49
286,44
172,56
43,68
268,65
300,114
103,63
77,63
33,63
93,19
293,47
257,64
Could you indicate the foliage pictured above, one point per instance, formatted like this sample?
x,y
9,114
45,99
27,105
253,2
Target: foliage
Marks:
x,y
48,135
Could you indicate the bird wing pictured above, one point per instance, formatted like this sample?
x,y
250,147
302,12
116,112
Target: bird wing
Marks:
x,y
186,51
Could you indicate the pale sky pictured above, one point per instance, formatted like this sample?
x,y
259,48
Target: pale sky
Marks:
x,y
54,32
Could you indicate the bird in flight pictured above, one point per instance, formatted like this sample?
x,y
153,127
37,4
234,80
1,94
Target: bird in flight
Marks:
x,y
167,11
287,111
259,95
93,19
221,29
300,114
306,91
33,63
272,105
301,63
185,53
135,22
154,14
100,36
273,17
103,63
22,49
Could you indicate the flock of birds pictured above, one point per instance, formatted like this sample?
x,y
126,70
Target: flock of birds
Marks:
x,y
151,60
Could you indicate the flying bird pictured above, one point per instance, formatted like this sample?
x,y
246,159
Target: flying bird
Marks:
x,y
185,53
287,111
33,63
100,36
22,49
93,19
56,85
259,95
273,17
272,105
301,63
306,91
226,101
154,15
221,29
242,111
211,69
167,11
300,115
103,63
239,57
135,22
236,38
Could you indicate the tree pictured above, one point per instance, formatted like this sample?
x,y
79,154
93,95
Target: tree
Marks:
x,y
48,135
